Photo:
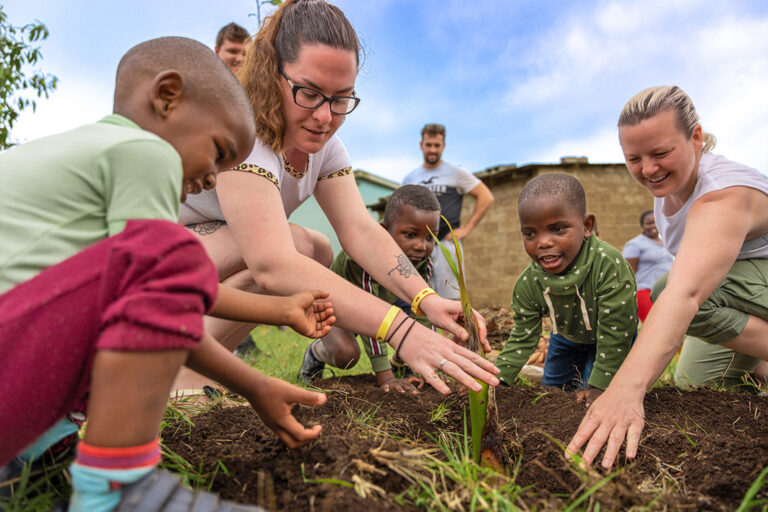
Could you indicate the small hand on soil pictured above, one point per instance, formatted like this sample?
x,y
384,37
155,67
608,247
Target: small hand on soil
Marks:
x,y
387,382
587,396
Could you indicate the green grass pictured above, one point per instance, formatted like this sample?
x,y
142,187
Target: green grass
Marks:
x,y
281,352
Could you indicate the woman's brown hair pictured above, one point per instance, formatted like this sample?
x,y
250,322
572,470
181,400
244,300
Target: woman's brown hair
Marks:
x,y
295,23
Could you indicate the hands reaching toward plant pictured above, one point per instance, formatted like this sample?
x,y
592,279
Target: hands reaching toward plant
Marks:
x,y
426,352
588,395
310,315
447,314
613,416
387,381
273,400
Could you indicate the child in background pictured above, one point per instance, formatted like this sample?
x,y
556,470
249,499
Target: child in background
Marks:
x,y
409,212
581,283
93,259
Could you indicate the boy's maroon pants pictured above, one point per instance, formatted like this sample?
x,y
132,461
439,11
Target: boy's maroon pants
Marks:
x,y
146,288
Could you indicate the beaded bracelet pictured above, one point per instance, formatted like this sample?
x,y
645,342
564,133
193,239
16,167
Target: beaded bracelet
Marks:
x,y
402,341
418,298
387,323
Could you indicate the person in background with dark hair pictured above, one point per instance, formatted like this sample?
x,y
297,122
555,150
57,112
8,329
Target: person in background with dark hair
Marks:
x,y
231,42
449,183
299,73
649,261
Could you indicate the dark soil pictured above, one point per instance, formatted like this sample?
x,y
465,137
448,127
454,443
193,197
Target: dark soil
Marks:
x,y
701,450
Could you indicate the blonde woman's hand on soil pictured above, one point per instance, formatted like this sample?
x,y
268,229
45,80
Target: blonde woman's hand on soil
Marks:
x,y
613,416
310,315
273,400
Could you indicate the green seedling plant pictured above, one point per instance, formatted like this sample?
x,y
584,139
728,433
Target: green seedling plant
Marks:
x,y
486,432
438,413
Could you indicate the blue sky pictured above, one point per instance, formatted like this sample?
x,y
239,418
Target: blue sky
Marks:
x,y
513,81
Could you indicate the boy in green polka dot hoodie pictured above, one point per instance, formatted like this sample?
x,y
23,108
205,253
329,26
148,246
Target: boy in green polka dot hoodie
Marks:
x,y
582,284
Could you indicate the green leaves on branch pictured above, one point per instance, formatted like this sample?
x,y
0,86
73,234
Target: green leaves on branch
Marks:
x,y
16,53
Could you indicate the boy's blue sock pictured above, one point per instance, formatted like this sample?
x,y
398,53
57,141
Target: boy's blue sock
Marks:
x,y
98,474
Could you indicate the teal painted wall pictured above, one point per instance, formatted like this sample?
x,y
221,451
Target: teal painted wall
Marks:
x,y
310,215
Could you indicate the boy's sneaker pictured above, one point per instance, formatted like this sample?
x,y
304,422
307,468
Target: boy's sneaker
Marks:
x,y
246,346
311,366
161,491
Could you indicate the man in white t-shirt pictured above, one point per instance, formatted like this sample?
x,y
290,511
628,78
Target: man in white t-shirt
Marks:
x,y
449,183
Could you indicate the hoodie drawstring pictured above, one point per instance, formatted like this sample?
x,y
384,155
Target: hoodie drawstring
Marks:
x,y
583,309
551,310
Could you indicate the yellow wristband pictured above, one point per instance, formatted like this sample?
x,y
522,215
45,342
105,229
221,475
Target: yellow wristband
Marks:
x,y
420,297
387,323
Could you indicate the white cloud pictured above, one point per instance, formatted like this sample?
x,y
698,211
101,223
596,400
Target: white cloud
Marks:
x,y
599,147
584,63
75,102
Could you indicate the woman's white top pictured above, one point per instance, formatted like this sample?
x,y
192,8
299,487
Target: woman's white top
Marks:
x,y
715,173
295,187
653,260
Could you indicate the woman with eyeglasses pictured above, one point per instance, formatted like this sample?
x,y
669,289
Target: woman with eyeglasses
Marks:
x,y
299,73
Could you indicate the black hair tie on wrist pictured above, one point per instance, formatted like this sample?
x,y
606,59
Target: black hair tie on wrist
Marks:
x,y
395,329
402,341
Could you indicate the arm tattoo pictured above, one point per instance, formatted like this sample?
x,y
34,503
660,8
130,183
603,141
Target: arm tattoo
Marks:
x,y
207,228
404,266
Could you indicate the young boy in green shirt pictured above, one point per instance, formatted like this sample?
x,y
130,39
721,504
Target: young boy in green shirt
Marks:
x,y
409,212
102,293
582,284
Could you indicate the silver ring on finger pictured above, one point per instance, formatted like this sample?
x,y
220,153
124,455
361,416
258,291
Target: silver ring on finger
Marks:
x,y
442,362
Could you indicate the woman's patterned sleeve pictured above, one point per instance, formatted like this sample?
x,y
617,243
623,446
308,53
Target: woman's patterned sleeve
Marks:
x,y
260,171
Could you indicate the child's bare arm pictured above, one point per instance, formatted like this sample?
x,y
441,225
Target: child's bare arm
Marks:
x,y
271,398
305,312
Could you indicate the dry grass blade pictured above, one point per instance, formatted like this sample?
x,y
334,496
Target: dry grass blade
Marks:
x,y
366,489
412,464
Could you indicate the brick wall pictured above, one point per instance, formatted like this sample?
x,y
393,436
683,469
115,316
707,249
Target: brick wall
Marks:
x,y
494,250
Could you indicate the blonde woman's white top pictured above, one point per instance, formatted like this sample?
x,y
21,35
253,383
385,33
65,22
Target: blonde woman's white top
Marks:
x,y
715,173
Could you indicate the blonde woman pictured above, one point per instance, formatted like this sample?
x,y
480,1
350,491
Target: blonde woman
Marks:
x,y
712,214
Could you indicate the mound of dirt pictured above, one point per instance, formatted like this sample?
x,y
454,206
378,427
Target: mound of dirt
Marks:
x,y
701,450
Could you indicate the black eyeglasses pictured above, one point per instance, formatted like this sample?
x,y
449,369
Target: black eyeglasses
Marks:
x,y
309,98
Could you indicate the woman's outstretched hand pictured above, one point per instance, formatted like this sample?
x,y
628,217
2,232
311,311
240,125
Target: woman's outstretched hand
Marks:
x,y
613,416
448,315
426,352
310,315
